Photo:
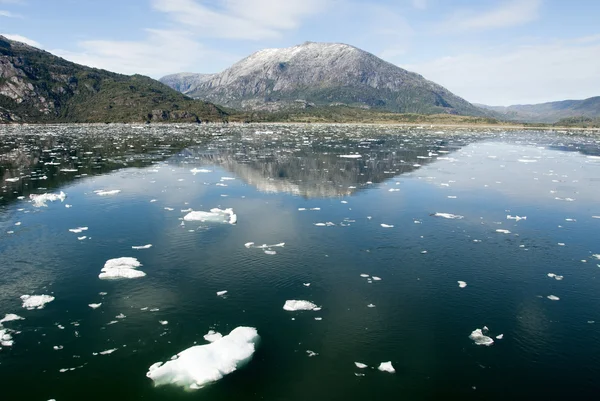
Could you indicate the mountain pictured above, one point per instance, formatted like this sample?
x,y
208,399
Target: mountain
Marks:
x,y
321,74
550,112
36,86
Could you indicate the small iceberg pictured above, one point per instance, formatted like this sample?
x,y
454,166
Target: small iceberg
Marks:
x,y
481,339
107,192
121,268
293,305
215,215
9,317
386,367
462,284
200,365
40,200
31,302
448,215
360,365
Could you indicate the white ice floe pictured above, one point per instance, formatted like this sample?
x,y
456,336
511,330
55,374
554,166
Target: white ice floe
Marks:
x,y
386,367
387,225
78,230
95,306
200,170
13,179
360,365
500,336
9,317
221,293
163,322
481,339
311,353
212,336
31,302
350,156
306,284
203,364
5,337
82,238
109,192
215,215
142,247
370,306
501,231
462,284
363,275
40,200
517,218
107,352
553,298
375,278
269,252
293,305
448,215
121,268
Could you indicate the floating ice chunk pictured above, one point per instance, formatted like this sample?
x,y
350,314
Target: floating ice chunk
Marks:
x,y
78,230
293,305
462,284
370,306
301,209
394,190
248,244
82,238
142,247
31,302
121,268
527,161
227,178
6,338
517,218
269,252
318,318
109,192
120,316
202,364
448,215
13,179
375,278
108,351
553,298
9,317
221,293
214,216
501,231
386,225
163,322
364,275
95,306
360,365
201,170
350,156
40,200
386,367
311,353
212,336
306,284
500,336
480,339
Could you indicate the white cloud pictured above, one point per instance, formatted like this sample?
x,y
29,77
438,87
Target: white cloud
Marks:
x,y
528,74
511,13
161,53
23,39
8,14
240,19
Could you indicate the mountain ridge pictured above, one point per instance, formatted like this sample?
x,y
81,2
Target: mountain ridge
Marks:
x,y
321,74
37,86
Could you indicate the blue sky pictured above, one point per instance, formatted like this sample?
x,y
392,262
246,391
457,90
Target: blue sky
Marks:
x,y
497,52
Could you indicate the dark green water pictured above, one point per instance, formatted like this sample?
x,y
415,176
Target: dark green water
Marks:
x,y
421,321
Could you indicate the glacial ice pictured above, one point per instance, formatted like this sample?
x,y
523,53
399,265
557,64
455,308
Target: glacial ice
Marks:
x,y
214,216
481,339
101,192
386,367
201,170
553,298
40,200
9,317
448,215
121,268
501,231
31,302
350,156
200,365
142,247
386,225
462,284
221,293
212,336
78,230
293,305
360,365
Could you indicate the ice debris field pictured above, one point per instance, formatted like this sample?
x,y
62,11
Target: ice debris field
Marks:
x,y
339,245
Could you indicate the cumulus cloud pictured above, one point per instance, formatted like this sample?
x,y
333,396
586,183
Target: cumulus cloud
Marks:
x,y
527,74
508,14
420,4
23,39
8,14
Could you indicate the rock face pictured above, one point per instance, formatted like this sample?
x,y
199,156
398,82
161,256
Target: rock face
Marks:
x,y
321,74
36,86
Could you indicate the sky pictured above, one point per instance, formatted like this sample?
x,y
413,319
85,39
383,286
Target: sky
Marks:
x,y
495,52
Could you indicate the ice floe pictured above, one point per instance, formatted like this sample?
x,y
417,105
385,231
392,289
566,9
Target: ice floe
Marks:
x,y
41,200
462,284
121,268
142,247
294,305
31,302
350,156
78,230
360,365
517,218
481,339
386,367
215,215
200,365
221,293
95,306
212,336
553,298
101,192
9,317
387,225
200,170
502,231
448,215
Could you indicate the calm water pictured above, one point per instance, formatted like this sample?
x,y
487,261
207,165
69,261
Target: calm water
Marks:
x,y
421,319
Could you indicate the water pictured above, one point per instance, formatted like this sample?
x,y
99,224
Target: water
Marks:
x,y
422,319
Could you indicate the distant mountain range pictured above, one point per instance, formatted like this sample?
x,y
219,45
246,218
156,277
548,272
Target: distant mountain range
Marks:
x,y
551,112
36,86
321,74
